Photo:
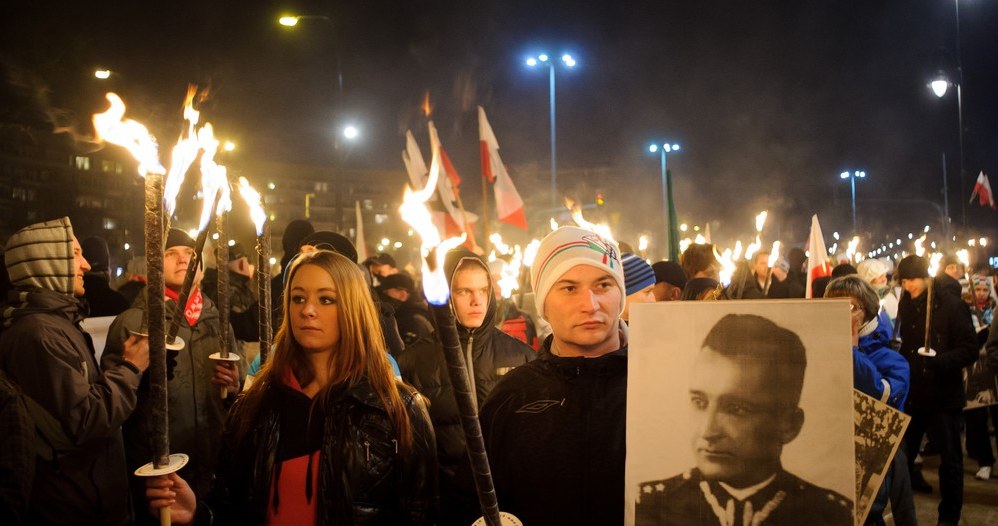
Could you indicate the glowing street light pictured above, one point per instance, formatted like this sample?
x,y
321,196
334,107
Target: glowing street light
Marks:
x,y
569,62
288,21
351,132
668,212
229,146
102,74
852,176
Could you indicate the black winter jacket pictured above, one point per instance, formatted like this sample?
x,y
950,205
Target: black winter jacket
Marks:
x,y
937,382
80,475
554,433
493,353
363,479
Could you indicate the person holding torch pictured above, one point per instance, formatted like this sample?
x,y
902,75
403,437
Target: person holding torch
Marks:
x,y
554,428
196,411
325,434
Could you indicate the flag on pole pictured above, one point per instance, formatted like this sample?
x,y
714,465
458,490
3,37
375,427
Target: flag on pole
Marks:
x,y
982,191
450,223
817,260
359,241
509,206
414,164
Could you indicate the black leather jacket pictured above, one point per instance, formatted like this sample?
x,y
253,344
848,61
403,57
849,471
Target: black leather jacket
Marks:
x,y
363,480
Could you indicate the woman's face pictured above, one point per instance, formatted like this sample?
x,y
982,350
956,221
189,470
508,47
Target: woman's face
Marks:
x,y
981,293
314,310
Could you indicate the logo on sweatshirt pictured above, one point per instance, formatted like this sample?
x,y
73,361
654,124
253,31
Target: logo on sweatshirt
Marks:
x,y
539,406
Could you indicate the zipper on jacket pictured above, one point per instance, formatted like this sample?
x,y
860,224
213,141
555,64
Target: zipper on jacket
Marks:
x,y
367,450
470,365
396,444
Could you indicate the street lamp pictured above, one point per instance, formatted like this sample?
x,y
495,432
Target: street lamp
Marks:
x,y
668,213
852,176
568,61
940,85
350,132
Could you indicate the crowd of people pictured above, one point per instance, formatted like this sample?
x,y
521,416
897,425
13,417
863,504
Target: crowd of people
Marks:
x,y
352,418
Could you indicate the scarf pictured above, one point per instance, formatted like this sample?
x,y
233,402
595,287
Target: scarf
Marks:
x,y
195,302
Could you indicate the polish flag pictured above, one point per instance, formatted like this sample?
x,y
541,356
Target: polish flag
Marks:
x,y
817,260
509,206
453,222
415,166
982,190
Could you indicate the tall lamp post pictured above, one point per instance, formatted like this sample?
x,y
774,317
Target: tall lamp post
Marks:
x,y
668,211
940,85
348,135
852,176
568,61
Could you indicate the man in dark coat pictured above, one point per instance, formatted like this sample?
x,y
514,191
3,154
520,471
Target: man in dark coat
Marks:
x,y
197,410
399,292
554,428
100,297
937,397
489,355
77,407
744,395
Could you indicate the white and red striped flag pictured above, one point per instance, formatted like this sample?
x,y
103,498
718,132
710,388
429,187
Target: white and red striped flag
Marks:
x,y
817,259
453,221
509,206
982,191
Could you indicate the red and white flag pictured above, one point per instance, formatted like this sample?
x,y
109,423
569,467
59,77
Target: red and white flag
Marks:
x,y
453,223
360,242
982,191
414,164
509,206
817,260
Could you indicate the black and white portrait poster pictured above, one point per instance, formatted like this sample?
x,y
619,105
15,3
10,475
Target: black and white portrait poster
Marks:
x,y
879,429
740,413
982,383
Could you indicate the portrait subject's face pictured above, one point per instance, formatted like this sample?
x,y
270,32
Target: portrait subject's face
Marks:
x,y
739,428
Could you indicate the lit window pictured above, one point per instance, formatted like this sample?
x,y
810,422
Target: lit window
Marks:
x,y
106,166
380,219
110,223
368,205
82,162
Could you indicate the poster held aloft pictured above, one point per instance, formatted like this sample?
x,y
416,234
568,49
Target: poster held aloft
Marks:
x,y
879,431
742,415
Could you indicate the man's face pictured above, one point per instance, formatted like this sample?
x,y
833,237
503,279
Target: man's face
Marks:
x,y
666,292
914,287
645,295
760,265
175,262
398,294
955,270
981,293
470,296
80,267
740,428
583,307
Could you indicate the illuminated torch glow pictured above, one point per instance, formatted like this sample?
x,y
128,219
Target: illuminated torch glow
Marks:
x,y
437,291
259,217
135,137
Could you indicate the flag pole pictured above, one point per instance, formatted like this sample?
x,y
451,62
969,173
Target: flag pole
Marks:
x,y
464,217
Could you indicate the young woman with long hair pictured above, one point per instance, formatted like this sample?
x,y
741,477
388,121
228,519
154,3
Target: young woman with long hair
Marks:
x,y
325,435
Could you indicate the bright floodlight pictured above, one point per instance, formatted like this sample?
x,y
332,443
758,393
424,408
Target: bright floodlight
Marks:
x,y
861,174
102,74
542,58
675,147
288,21
229,146
531,61
351,132
844,175
668,147
653,148
568,60
939,87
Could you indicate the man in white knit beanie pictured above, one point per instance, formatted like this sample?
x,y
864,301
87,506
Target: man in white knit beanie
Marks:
x,y
554,428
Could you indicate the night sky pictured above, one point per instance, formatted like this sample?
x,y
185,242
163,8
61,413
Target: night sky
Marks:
x,y
770,100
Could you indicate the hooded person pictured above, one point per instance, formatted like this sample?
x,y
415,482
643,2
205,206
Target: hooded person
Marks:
x,y
399,292
77,406
244,308
489,355
100,297
874,272
554,428
197,412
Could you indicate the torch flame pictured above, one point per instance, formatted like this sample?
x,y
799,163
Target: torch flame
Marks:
x,y
774,254
753,248
183,154
213,177
738,251
760,221
727,261
642,243
426,106
252,198
851,250
920,246
963,256
415,213
530,252
602,229
135,137
554,224
934,261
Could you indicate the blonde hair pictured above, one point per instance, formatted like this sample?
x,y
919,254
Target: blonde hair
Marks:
x,y
360,354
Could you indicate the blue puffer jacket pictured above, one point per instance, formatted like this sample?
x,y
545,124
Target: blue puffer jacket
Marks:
x,y
878,370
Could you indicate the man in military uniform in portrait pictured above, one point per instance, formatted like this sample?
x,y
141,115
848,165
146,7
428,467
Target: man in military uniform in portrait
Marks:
x,y
744,394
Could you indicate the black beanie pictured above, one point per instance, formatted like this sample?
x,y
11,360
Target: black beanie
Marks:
x,y
178,238
294,233
912,267
326,240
